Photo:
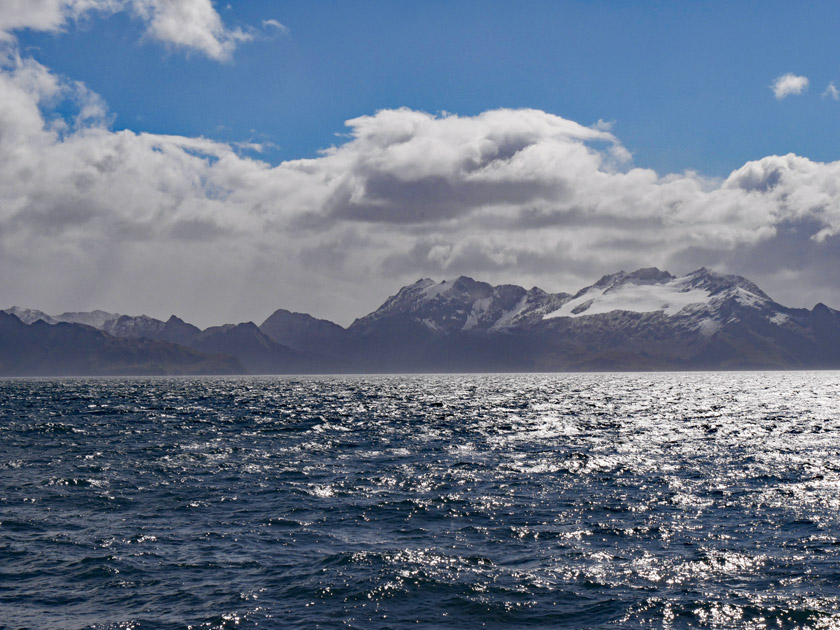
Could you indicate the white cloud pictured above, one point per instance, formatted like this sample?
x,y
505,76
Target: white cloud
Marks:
x,y
832,92
47,15
189,24
131,222
788,84
272,23
604,125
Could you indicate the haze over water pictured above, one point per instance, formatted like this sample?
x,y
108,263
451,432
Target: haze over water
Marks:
x,y
681,500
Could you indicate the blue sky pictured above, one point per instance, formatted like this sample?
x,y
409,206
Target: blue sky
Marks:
x,y
541,143
686,83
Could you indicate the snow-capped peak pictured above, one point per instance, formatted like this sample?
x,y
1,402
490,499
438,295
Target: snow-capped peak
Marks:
x,y
651,290
428,292
462,304
717,283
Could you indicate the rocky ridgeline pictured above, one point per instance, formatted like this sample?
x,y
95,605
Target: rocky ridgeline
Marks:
x,y
644,320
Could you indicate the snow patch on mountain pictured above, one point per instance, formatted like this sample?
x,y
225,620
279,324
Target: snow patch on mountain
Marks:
x,y
697,294
670,297
747,298
430,324
479,308
510,316
29,315
432,290
779,319
708,326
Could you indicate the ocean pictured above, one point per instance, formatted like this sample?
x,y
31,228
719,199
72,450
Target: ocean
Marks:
x,y
668,500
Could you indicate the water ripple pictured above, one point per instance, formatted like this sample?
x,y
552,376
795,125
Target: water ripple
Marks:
x,y
559,501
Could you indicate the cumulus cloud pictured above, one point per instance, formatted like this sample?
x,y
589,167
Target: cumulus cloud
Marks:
x,y
134,222
191,24
831,92
788,84
188,24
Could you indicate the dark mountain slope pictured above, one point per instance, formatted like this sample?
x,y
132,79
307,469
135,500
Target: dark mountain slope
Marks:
x,y
305,333
64,349
258,353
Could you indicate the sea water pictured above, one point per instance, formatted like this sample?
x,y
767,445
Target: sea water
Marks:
x,y
681,500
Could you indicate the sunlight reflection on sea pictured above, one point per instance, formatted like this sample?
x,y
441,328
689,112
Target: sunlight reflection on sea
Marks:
x,y
684,500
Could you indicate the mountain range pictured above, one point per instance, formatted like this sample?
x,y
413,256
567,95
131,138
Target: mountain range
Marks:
x,y
644,320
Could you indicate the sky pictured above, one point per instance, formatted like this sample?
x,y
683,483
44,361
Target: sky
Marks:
x,y
220,160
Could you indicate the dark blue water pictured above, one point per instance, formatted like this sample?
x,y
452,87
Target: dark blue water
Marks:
x,y
557,501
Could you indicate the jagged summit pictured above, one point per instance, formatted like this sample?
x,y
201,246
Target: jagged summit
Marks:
x,y
29,315
427,290
647,275
462,304
97,319
133,327
717,283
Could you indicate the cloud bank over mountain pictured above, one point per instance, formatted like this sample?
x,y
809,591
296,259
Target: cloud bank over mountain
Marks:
x,y
93,217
